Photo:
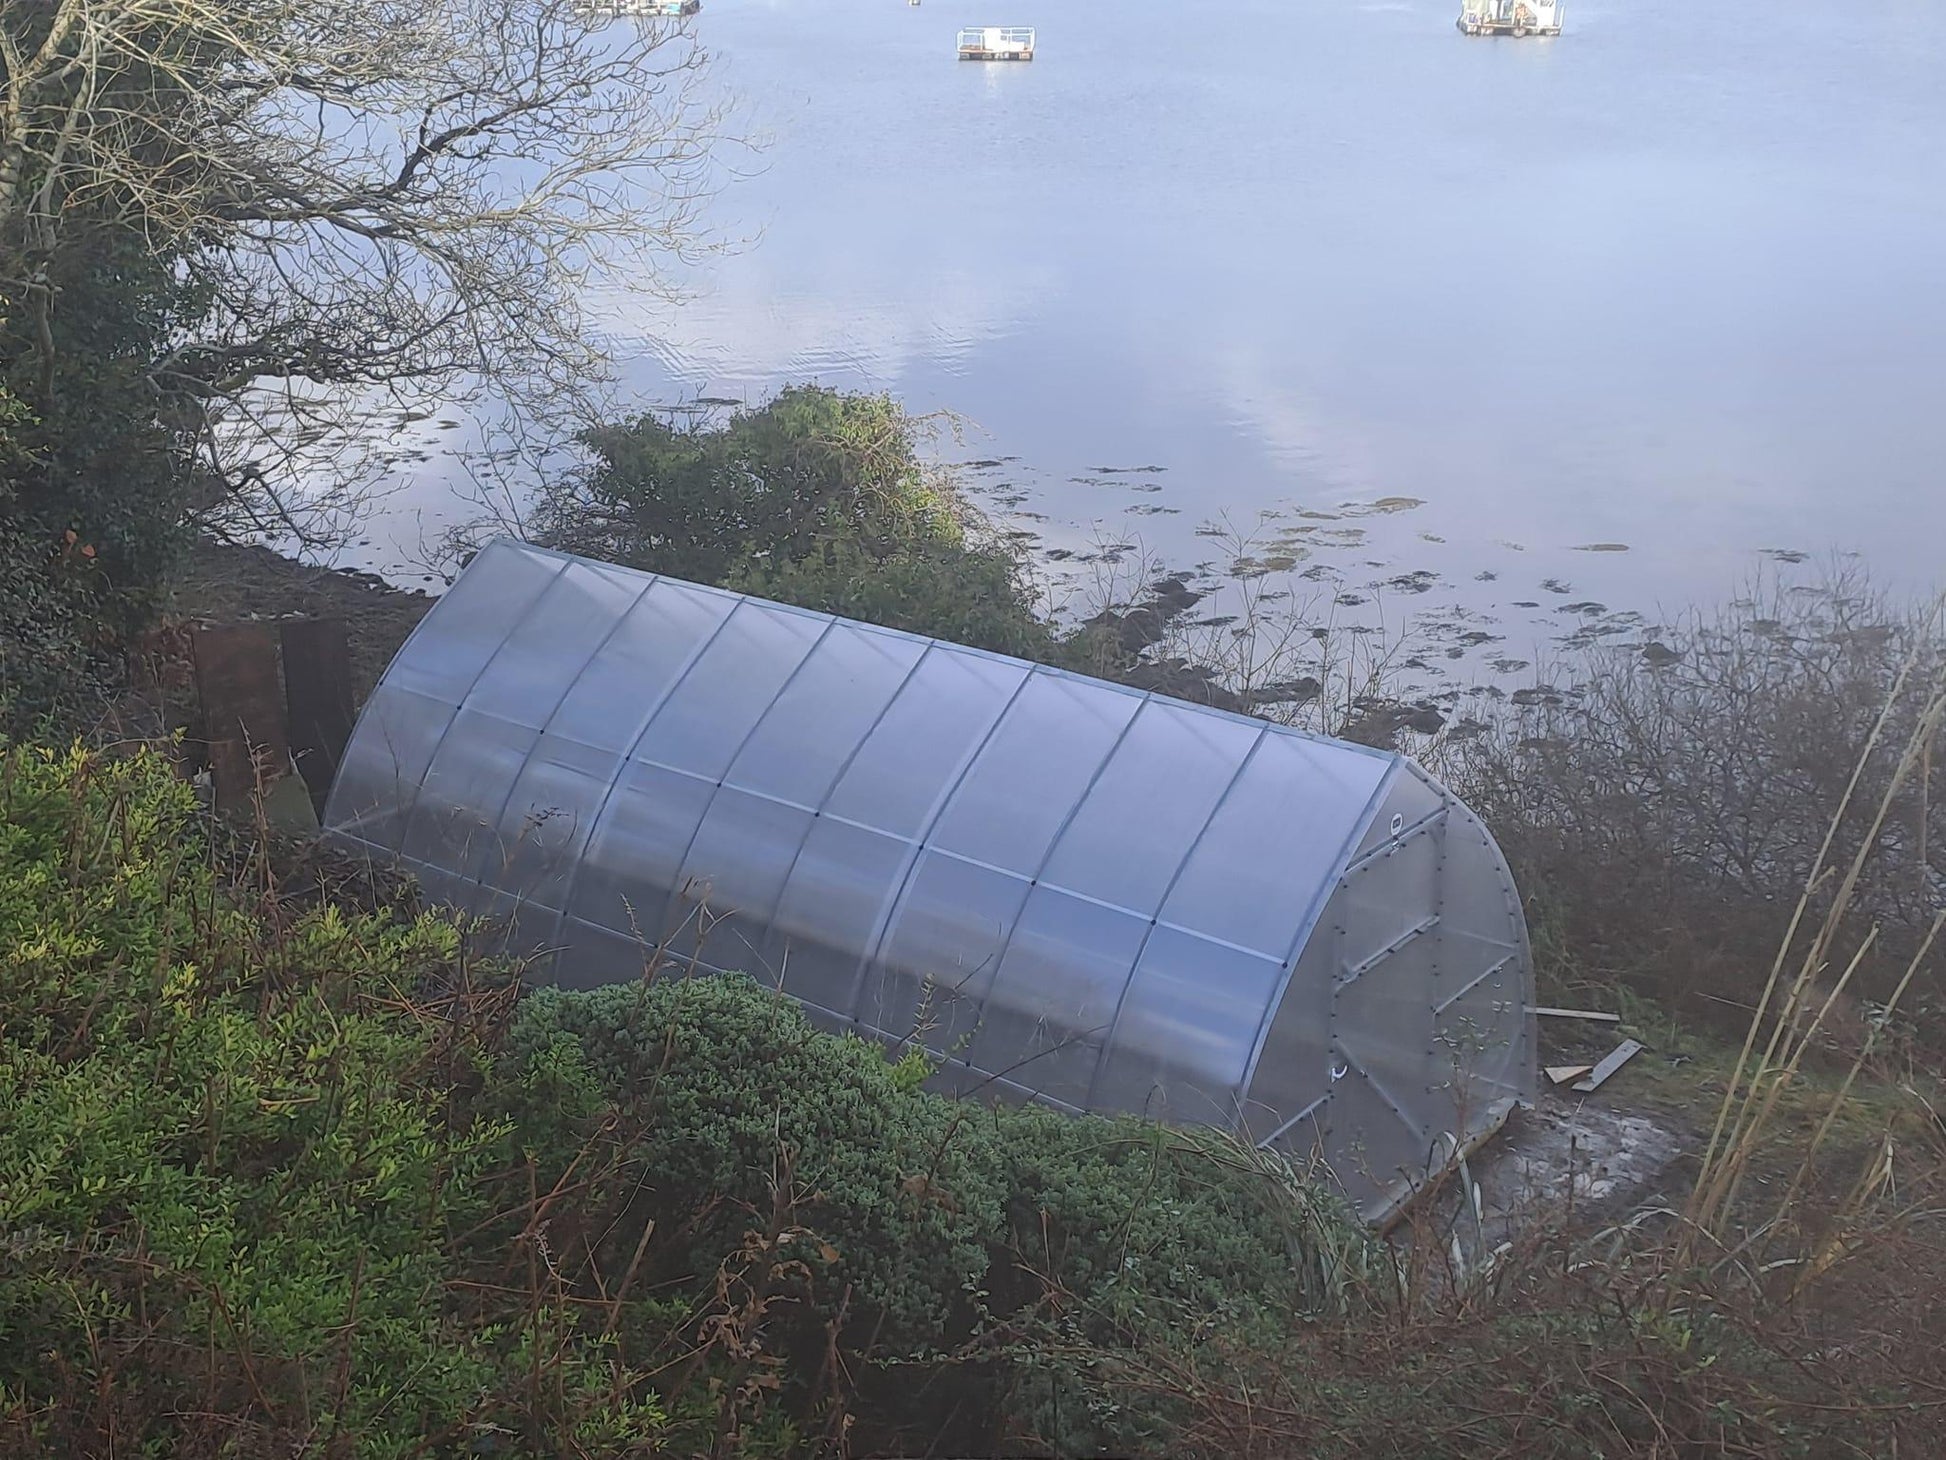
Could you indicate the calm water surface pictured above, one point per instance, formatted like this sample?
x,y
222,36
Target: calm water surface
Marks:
x,y
1674,283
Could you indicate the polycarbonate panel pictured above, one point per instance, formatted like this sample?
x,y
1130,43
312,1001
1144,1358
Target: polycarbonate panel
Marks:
x,y
1396,889
1483,1032
1478,900
639,662
1294,1067
565,783
449,827
1033,771
941,952
920,745
630,870
547,817
485,604
528,924
548,650
1480,1047
733,874
719,700
1382,1020
1409,800
437,885
837,892
1054,998
812,731
378,781
592,956
1150,803
1303,1144
1372,1149
1295,806
1383,1114
1183,1038
1066,890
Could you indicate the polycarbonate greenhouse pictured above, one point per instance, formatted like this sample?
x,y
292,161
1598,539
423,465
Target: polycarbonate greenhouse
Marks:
x,y
1067,890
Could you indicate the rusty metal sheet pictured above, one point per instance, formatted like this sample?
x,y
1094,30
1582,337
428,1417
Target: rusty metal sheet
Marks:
x,y
318,697
242,700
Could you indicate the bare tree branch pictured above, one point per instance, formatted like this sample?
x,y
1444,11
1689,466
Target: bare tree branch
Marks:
x,y
412,198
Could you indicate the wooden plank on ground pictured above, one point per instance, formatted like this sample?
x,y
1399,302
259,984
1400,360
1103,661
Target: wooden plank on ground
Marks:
x,y
1620,1055
1561,1074
242,705
317,693
1594,1014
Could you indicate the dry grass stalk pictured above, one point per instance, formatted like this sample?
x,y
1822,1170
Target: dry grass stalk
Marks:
x,y
1757,1085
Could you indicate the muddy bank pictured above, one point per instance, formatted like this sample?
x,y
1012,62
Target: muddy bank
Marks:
x,y
227,583
1141,636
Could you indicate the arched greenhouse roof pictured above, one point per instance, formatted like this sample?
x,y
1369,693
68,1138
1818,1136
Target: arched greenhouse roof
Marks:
x,y
1067,890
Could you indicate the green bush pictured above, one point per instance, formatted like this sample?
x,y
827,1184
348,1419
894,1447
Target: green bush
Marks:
x,y
229,1174
97,475
733,1092
817,498
1001,1238
966,589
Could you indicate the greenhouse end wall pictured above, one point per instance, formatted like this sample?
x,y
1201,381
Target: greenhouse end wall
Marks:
x,y
1067,890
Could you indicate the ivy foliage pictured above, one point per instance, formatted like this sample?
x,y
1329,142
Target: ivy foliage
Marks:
x,y
97,481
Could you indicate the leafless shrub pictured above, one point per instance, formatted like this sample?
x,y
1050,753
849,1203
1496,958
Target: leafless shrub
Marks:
x,y
380,203
1665,804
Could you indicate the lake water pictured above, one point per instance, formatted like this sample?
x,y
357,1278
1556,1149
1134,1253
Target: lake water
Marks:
x,y
1619,312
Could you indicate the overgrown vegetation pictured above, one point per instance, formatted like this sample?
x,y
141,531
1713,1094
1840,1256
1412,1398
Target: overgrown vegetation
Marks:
x,y
291,1178
262,1191
1665,806
96,474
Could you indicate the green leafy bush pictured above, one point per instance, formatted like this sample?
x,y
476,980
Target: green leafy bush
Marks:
x,y
228,1169
96,470
931,1228
733,1093
816,498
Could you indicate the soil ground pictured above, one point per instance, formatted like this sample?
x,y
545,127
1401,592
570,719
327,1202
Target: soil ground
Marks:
x,y
228,583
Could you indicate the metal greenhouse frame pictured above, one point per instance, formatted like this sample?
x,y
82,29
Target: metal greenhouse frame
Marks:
x,y
1067,890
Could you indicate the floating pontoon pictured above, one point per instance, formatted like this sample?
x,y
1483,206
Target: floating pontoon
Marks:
x,y
617,9
1511,17
997,43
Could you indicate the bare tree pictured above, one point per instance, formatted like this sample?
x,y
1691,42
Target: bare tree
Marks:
x,y
377,200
